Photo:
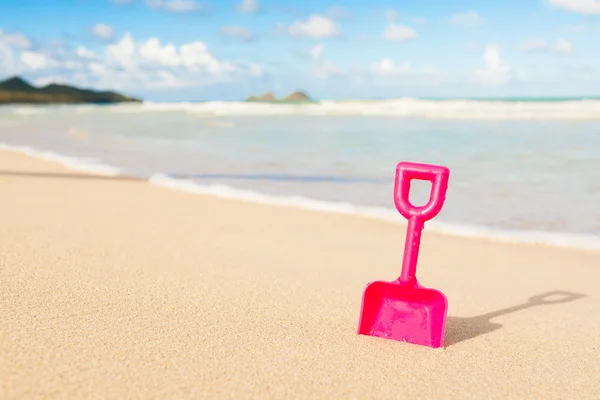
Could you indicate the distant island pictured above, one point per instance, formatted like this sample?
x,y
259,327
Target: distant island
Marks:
x,y
295,97
17,90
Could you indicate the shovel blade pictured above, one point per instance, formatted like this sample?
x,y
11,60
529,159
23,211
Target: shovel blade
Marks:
x,y
404,312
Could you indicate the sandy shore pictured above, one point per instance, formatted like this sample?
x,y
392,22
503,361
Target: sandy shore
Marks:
x,y
114,288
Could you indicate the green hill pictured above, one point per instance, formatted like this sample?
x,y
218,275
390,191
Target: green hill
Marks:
x,y
17,90
295,97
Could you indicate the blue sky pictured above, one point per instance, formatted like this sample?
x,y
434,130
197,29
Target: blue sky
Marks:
x,y
224,49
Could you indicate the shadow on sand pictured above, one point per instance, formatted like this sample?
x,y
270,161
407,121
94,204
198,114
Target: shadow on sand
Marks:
x,y
459,329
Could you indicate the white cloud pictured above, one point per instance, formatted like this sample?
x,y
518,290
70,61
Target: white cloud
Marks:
x,y
103,31
34,60
248,7
387,67
315,27
496,71
150,63
10,45
563,46
175,6
533,45
6,59
84,53
15,40
579,6
127,65
193,56
388,72
238,32
469,19
399,33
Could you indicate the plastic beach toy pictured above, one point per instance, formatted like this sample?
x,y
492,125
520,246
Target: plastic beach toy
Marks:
x,y
403,309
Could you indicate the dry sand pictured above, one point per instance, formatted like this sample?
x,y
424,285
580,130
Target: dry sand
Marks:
x,y
113,288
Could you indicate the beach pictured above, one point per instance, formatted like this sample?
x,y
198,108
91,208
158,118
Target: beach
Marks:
x,y
111,287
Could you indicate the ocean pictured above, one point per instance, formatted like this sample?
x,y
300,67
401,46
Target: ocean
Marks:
x,y
521,171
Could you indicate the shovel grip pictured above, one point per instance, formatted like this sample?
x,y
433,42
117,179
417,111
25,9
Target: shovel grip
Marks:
x,y
437,175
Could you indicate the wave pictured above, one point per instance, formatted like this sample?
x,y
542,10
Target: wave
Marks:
x,y
583,109
565,240
45,109
28,111
74,163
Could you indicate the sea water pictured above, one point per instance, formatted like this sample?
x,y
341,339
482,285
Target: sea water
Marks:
x,y
520,170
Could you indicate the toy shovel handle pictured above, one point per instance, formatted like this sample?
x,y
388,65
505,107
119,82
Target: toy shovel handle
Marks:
x,y
437,175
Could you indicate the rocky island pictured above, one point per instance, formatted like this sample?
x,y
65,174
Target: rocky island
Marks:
x,y
17,90
295,97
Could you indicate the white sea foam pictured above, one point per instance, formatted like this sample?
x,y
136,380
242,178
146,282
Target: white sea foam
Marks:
x,y
398,108
574,241
74,163
27,111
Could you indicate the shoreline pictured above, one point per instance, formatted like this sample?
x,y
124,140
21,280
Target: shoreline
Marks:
x,y
566,240
115,288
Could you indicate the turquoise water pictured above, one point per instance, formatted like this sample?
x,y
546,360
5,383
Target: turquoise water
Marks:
x,y
512,169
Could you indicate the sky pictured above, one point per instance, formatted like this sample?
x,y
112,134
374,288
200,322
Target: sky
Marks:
x,y
196,50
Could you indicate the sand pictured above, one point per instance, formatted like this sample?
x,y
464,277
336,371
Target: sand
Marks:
x,y
114,288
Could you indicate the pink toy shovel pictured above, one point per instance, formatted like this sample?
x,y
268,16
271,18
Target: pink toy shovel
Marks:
x,y
402,309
